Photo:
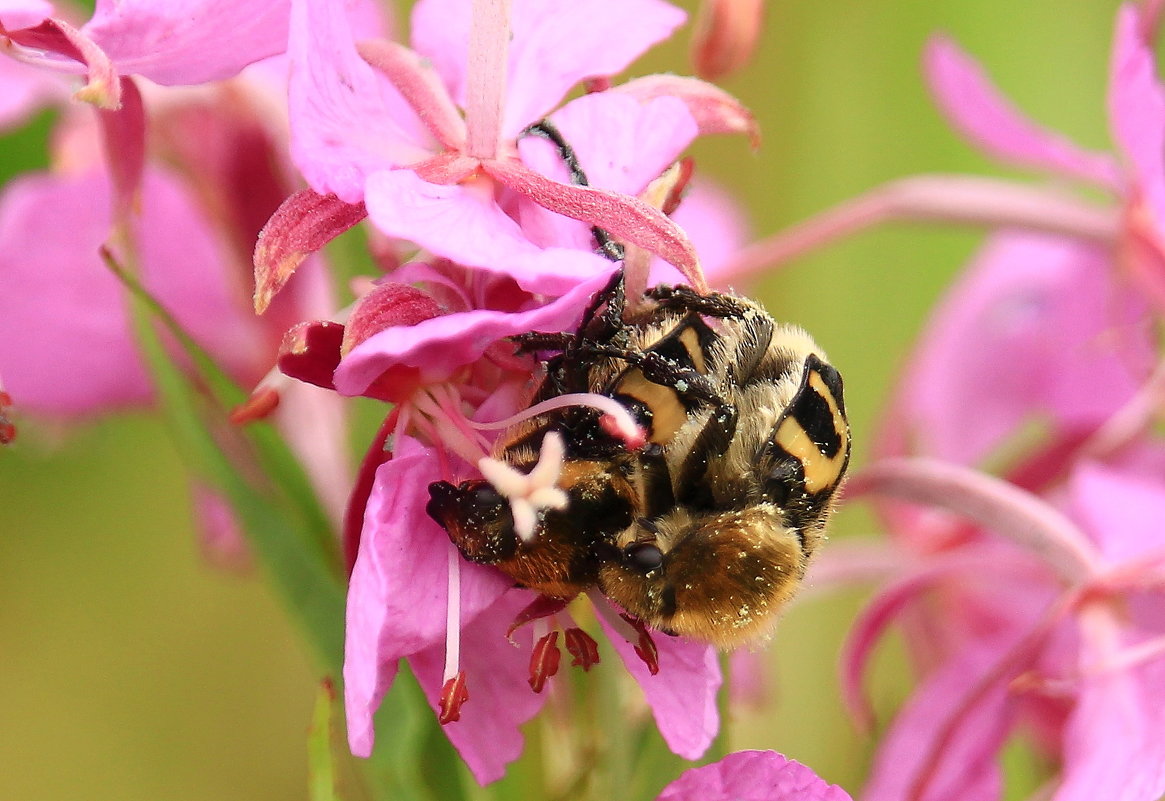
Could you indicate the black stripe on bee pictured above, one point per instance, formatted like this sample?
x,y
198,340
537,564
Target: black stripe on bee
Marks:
x,y
813,430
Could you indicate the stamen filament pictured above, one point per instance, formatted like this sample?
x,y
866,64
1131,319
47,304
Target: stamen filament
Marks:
x,y
624,424
453,617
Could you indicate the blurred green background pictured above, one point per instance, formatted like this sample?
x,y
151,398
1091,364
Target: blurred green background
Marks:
x,y
132,670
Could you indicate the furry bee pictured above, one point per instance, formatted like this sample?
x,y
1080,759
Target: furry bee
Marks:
x,y
705,531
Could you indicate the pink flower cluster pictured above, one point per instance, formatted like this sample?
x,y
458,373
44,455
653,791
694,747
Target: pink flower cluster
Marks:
x,y
480,233
1034,604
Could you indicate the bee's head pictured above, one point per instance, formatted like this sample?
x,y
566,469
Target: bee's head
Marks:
x,y
720,577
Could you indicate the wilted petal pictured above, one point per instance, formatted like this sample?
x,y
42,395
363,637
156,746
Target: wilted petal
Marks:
x,y
398,594
347,120
976,108
457,222
176,42
1137,109
500,700
1035,326
442,344
554,46
682,696
752,776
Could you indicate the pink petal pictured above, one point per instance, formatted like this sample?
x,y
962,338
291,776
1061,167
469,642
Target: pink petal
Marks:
x,y
715,111
752,776
16,14
682,696
1137,109
1035,326
398,593
626,218
418,82
500,700
347,120
1114,740
457,222
443,344
621,144
976,109
175,42
1121,509
555,46
966,767
66,347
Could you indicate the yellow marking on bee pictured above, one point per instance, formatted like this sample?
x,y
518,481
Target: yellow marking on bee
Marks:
x,y
691,342
821,471
667,413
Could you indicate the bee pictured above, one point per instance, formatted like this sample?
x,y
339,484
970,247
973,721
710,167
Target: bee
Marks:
x,y
706,530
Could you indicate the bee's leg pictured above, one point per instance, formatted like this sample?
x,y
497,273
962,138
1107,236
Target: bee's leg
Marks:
x,y
545,129
538,341
687,299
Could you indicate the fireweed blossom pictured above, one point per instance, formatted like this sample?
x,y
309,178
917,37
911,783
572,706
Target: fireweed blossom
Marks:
x,y
376,128
172,210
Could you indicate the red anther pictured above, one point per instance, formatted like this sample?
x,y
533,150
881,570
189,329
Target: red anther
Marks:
x,y
453,694
582,647
261,403
645,649
7,429
544,661
540,607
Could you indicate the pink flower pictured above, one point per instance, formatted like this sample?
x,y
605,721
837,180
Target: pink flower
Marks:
x,y
751,776
375,123
1136,113
1075,642
451,373
170,42
1036,331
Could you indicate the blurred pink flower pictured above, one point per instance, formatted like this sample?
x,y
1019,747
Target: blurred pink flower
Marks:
x,y
1064,631
751,776
1136,114
170,42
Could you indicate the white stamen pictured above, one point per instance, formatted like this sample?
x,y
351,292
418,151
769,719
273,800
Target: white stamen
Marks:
x,y
453,617
528,493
